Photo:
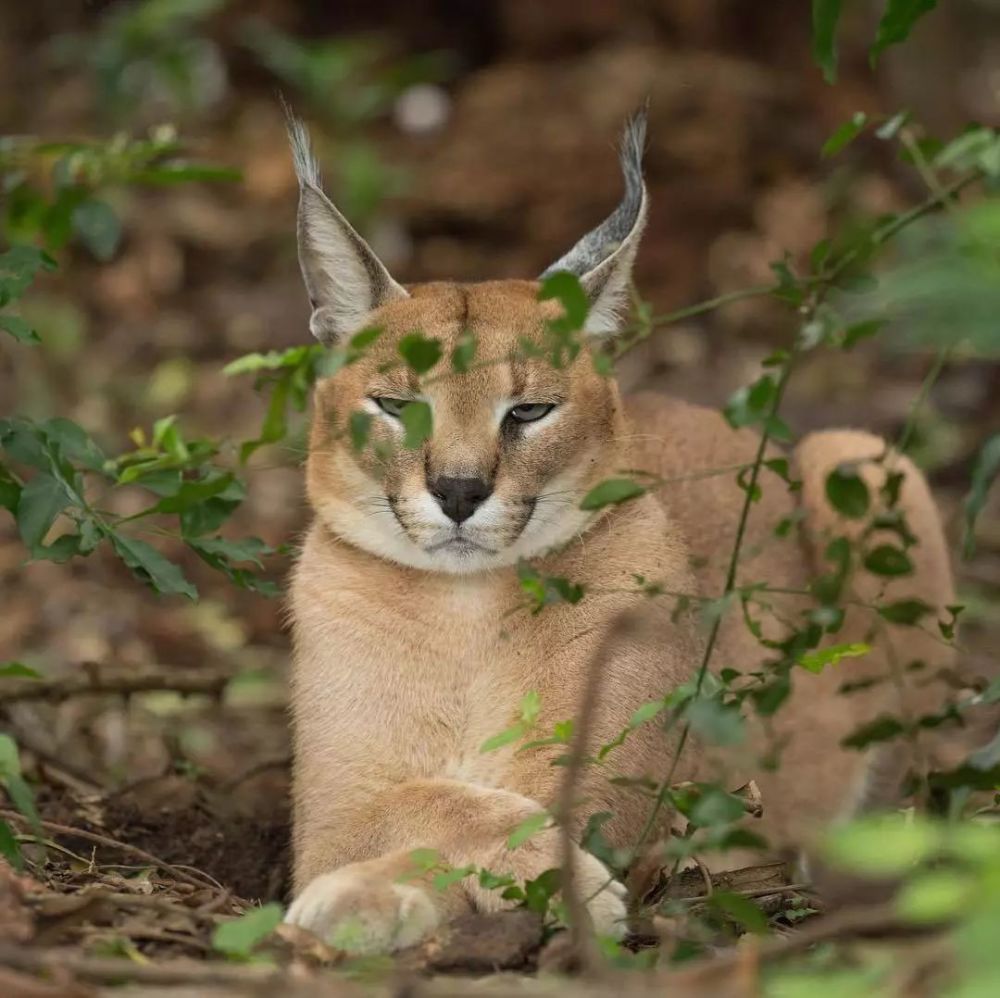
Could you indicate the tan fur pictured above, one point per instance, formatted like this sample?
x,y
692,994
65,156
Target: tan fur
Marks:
x,y
403,670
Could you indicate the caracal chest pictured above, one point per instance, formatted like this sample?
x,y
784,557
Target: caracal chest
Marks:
x,y
430,672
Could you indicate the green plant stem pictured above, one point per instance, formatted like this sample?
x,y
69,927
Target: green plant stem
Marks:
x,y
930,379
942,196
644,330
822,283
730,586
900,222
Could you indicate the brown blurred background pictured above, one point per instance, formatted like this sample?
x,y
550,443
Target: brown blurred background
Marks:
x,y
467,140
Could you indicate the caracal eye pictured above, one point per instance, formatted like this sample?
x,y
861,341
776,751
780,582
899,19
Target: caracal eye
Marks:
x,y
530,412
391,407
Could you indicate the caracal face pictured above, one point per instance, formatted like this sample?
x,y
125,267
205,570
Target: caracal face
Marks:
x,y
515,445
516,441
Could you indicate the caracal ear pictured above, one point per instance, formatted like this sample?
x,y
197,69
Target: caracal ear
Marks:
x,y
603,258
344,278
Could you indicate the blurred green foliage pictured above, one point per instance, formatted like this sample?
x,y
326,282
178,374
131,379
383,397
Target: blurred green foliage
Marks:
x,y
940,286
149,56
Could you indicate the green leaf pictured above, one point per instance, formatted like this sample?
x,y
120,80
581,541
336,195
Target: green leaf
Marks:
x,y
18,328
966,777
566,287
12,670
889,129
11,778
10,491
506,737
18,268
904,611
882,729
983,476
884,845
860,331
194,494
418,423
531,705
98,227
74,442
41,501
239,937
250,549
976,147
359,427
739,908
935,896
847,493
492,881
420,352
424,860
531,826
817,661
897,22
751,404
987,757
611,492
10,849
464,353
825,15
274,360
362,340
888,561
447,878
539,892
151,567
844,135
947,627
714,806
714,722
544,590
646,713
992,692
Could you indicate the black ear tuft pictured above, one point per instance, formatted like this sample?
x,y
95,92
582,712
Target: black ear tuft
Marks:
x,y
603,258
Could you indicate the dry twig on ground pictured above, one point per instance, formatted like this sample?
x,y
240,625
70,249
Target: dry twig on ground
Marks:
x,y
94,678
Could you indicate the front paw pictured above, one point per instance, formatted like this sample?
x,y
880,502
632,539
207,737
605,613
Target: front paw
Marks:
x,y
363,914
605,896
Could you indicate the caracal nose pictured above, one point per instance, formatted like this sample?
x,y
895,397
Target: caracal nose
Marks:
x,y
460,497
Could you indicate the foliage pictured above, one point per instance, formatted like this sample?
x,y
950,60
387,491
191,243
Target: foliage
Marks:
x,y
349,81
951,873
21,796
52,473
939,282
238,939
897,21
150,52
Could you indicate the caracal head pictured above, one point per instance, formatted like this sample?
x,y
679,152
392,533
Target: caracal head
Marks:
x,y
516,442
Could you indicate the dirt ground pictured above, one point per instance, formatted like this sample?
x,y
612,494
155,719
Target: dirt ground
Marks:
x,y
166,803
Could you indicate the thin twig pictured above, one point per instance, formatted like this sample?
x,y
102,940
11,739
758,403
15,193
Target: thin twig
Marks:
x,y
92,679
821,284
584,955
104,840
281,762
104,969
730,585
153,902
756,892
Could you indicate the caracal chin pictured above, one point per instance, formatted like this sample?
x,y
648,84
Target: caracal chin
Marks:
x,y
412,642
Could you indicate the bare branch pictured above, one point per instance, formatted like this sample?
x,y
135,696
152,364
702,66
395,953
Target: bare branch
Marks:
x,y
104,840
93,678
